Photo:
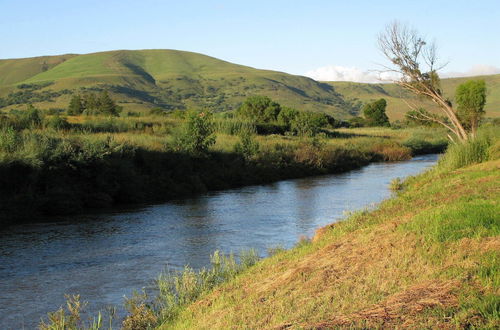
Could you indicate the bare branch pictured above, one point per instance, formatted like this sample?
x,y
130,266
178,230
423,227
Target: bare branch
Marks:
x,y
418,62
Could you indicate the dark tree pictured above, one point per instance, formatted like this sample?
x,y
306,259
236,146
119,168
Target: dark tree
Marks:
x,y
107,106
374,113
75,107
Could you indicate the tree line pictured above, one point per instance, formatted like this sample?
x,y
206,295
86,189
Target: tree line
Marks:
x,y
93,104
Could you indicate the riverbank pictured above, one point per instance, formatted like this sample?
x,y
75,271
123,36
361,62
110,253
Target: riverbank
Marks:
x,y
426,258
54,174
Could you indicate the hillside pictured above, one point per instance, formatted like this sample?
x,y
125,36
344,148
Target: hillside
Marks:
x,y
396,96
169,79
142,79
424,259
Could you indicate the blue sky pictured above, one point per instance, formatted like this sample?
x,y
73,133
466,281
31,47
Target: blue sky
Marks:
x,y
292,36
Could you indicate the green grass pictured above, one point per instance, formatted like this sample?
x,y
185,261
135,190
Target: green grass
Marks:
x,y
471,219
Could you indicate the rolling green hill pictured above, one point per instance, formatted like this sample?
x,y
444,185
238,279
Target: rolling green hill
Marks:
x,y
166,78
171,79
396,96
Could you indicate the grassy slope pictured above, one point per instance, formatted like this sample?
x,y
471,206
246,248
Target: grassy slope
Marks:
x,y
175,78
428,257
395,96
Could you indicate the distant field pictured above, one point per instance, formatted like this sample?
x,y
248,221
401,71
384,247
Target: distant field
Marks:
x,y
143,79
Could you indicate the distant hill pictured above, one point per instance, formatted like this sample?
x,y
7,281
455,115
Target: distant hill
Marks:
x,y
396,96
142,79
171,79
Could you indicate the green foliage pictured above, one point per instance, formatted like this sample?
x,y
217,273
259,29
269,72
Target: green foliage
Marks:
x,y
271,118
57,122
29,118
31,95
374,113
198,134
356,122
424,141
287,116
308,123
397,185
234,126
471,99
9,139
94,104
107,106
260,109
248,146
75,107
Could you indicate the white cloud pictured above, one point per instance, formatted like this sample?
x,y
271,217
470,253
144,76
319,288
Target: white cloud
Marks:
x,y
476,70
343,73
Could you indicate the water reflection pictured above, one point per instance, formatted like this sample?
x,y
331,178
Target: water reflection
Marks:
x,y
107,256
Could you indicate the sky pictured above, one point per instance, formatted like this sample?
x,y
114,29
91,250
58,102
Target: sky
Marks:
x,y
326,40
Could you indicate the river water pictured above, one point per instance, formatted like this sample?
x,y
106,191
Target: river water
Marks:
x,y
106,256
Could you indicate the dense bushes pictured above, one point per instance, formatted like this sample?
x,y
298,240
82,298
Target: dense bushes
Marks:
x,y
93,104
270,118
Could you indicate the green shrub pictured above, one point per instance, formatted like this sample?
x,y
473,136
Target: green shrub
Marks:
x,y
9,139
198,134
57,123
247,146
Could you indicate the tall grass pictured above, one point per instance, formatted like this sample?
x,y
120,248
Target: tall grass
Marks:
x,y
178,289
234,126
474,151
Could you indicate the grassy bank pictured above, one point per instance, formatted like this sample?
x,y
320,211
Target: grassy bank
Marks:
x,y
50,168
426,258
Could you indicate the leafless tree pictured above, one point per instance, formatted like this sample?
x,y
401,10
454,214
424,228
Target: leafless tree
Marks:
x,y
416,62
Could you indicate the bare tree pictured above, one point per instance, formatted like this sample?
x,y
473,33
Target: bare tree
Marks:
x,y
416,61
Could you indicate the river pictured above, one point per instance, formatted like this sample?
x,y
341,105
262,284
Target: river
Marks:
x,y
106,256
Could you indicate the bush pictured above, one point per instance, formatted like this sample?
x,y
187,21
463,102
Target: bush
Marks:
x,y
197,136
247,146
308,123
9,139
57,123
